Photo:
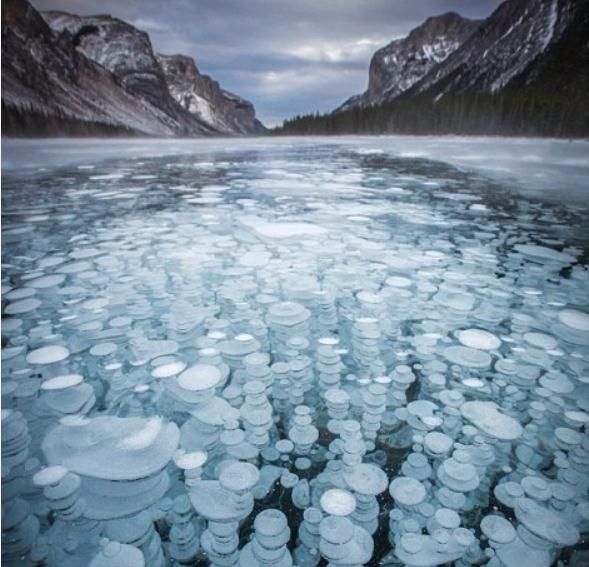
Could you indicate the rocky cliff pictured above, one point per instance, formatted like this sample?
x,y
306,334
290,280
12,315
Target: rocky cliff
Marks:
x,y
507,46
67,74
204,98
400,64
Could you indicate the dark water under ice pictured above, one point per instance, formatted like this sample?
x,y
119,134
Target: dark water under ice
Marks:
x,y
129,241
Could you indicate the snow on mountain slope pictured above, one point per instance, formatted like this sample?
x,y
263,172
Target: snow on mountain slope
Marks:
x,y
127,53
204,98
399,65
67,74
506,43
45,75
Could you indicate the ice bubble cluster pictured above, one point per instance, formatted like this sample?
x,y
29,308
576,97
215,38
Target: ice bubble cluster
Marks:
x,y
271,364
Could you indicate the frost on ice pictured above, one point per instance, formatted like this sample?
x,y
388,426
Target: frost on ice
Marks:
x,y
311,357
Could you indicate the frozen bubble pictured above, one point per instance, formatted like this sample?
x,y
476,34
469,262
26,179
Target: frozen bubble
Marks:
x,y
407,491
479,339
200,377
398,282
536,488
289,480
541,340
255,259
336,530
143,437
458,476
62,382
544,254
49,475
284,446
518,553
468,357
169,369
338,502
48,355
577,320
487,417
287,313
11,325
110,447
438,443
10,352
270,523
576,418
22,306
302,464
239,477
46,281
103,349
115,554
193,460
447,519
546,524
498,529
20,293
282,229
366,479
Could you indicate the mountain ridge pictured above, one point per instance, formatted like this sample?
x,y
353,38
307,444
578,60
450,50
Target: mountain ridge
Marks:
x,y
71,74
506,43
203,96
398,65
524,70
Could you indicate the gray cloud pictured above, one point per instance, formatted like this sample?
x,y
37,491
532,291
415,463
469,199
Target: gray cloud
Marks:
x,y
287,56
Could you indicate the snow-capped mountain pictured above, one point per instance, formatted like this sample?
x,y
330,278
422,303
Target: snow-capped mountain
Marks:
x,y
523,43
400,64
204,98
504,47
65,74
46,83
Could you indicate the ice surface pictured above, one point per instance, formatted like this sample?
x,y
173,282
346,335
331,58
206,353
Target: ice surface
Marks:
x,y
281,229
283,329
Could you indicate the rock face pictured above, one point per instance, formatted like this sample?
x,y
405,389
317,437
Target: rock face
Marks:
x,y
517,37
126,52
46,77
523,43
204,98
400,64
64,73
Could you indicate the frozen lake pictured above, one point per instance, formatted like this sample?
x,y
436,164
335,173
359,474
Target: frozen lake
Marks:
x,y
385,339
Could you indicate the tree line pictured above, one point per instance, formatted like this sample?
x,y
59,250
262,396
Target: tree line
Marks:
x,y
521,112
27,120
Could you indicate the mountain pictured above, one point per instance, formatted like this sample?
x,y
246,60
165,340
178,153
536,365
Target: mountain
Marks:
x,y
524,70
48,85
64,74
203,97
514,39
400,64
127,53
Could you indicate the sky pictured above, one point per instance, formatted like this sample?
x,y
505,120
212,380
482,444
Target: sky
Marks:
x,y
288,57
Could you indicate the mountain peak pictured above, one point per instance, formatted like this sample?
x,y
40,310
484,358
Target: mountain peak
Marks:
x,y
400,64
506,43
204,98
65,72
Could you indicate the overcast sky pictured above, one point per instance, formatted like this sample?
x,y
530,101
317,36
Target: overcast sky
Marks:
x,y
287,56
